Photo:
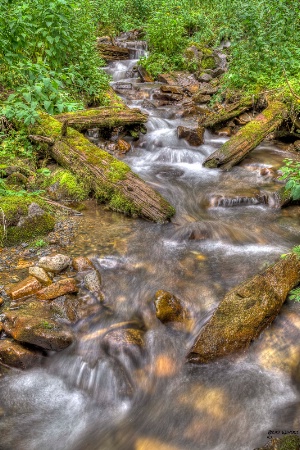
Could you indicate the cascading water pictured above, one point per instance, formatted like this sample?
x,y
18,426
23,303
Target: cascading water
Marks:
x,y
91,397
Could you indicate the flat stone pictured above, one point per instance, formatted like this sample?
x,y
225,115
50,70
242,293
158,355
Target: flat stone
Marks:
x,y
206,88
145,77
80,264
16,355
172,89
55,263
92,281
205,77
40,274
62,287
201,98
24,288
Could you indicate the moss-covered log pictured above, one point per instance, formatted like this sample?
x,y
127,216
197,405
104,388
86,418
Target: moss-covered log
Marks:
x,y
102,118
246,311
246,139
211,120
111,180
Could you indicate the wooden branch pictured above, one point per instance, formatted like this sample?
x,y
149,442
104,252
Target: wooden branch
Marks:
x,y
234,110
59,205
248,137
41,139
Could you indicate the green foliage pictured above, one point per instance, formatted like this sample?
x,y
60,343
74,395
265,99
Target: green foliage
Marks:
x,y
16,145
295,294
40,243
48,57
69,184
291,173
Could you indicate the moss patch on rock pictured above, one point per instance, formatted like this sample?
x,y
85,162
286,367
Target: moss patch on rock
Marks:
x,y
68,185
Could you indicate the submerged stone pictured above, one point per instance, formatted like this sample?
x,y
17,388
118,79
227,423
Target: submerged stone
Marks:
x,y
24,288
80,264
246,311
92,281
170,309
194,136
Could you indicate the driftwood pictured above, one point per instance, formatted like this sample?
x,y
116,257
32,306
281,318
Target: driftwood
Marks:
x,y
111,180
102,118
231,111
246,139
246,311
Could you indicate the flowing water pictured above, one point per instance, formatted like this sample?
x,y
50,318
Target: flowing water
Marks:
x,y
225,230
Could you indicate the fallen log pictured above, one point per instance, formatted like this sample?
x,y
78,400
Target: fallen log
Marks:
x,y
111,180
248,137
102,118
245,311
234,110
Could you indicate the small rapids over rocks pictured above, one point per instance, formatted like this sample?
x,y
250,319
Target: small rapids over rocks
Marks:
x,y
125,384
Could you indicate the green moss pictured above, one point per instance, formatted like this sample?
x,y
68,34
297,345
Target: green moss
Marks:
x,y
121,204
117,171
46,325
289,443
70,185
208,62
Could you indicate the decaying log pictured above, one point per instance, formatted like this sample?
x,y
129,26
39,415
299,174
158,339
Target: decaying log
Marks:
x,y
102,118
246,311
111,180
248,137
234,110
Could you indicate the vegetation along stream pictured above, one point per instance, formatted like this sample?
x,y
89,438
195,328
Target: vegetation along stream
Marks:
x,y
146,396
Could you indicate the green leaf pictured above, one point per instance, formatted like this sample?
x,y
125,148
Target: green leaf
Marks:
x,y
47,105
27,97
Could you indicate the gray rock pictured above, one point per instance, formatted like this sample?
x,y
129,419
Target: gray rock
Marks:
x,y
55,263
92,281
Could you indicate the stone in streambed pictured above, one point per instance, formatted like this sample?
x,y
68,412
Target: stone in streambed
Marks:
x,y
288,442
16,355
33,323
55,263
169,308
92,281
129,341
193,136
245,311
172,89
24,288
80,264
123,146
62,287
40,274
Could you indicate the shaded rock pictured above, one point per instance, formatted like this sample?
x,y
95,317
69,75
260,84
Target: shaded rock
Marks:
x,y
245,311
24,288
217,72
17,179
226,131
144,75
288,442
62,287
167,96
130,341
201,98
40,274
55,263
166,78
206,88
172,89
169,308
192,136
244,118
113,52
33,323
16,355
206,77
80,264
123,146
92,281
297,145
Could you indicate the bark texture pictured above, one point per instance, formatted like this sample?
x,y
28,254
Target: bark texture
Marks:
x,y
111,180
231,111
246,139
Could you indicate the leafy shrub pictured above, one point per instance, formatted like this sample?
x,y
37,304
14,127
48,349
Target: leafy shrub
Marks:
x,y
291,173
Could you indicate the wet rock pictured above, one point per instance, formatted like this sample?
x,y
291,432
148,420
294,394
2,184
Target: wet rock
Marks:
x,y
16,355
80,264
113,52
55,263
33,323
164,366
62,287
24,288
40,274
201,98
193,136
167,96
92,281
288,442
123,146
166,78
130,341
244,118
169,308
144,75
297,145
245,311
1,301
172,89
226,131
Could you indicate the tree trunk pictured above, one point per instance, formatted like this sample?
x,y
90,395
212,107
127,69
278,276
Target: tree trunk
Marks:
x,y
246,139
103,118
231,111
246,311
111,180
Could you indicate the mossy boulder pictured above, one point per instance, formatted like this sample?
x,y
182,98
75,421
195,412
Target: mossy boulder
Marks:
x,y
62,184
21,221
16,355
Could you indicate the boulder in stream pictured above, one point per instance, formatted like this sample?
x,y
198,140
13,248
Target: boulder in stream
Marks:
x,y
55,263
194,136
16,355
246,311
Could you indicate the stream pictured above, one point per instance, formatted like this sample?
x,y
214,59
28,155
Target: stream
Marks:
x,y
85,398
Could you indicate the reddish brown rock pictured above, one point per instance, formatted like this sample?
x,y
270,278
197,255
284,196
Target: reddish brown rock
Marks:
x,y
145,77
16,355
62,287
172,89
226,131
169,308
167,96
24,288
80,264
1,301
123,146
166,78
193,136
